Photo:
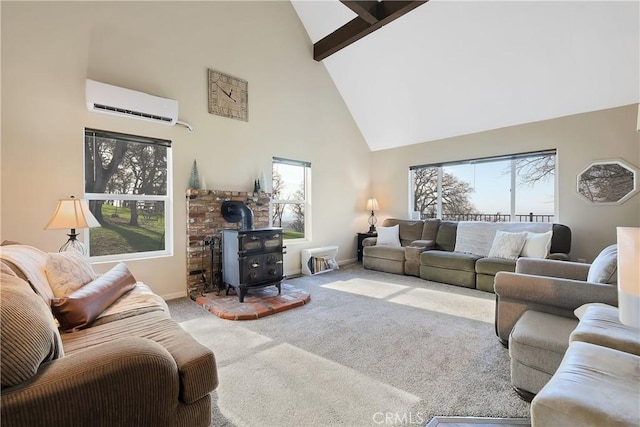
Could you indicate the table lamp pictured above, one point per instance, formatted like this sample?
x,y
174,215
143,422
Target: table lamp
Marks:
x,y
372,205
72,213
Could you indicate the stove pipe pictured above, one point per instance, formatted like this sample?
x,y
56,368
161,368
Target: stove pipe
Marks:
x,y
236,211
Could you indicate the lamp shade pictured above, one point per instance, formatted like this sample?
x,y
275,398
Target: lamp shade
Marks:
x,y
72,213
372,204
629,275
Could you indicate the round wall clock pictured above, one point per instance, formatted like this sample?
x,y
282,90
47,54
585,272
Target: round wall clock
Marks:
x,y
228,96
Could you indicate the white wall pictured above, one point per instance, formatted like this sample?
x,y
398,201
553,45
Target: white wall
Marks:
x,y
165,48
579,140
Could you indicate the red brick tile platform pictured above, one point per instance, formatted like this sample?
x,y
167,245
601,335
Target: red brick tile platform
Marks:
x,y
257,303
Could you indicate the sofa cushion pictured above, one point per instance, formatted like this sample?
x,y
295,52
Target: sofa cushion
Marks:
x,y
600,325
67,272
449,260
594,386
80,308
410,231
388,236
430,229
28,336
537,245
604,268
507,245
491,266
539,340
392,253
196,363
446,237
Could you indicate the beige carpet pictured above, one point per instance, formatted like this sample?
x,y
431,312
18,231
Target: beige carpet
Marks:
x,y
369,349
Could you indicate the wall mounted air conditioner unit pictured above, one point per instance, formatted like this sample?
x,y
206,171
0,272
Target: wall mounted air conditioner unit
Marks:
x,y
119,101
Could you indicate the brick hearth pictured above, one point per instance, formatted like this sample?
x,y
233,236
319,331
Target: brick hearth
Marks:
x,y
205,221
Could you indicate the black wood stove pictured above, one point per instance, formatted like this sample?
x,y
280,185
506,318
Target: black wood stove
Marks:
x,y
251,258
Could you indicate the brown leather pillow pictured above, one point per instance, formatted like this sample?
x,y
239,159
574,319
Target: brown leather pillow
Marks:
x,y
80,308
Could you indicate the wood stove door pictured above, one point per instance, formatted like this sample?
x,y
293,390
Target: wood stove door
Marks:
x,y
261,268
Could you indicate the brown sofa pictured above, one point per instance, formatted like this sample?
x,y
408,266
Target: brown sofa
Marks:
x,y
135,366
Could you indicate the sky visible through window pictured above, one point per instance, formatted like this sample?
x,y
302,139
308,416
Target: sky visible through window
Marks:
x,y
491,182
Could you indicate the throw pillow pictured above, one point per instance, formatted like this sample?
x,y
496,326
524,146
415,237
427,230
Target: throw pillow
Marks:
x,y
388,236
537,245
29,336
604,268
507,245
67,272
78,309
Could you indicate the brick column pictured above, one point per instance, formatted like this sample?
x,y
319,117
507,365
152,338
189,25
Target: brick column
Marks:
x,y
205,222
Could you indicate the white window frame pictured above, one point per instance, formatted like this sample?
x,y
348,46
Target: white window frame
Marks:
x,y
168,210
513,179
307,197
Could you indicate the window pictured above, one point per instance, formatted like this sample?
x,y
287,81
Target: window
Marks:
x,y
290,204
128,185
517,188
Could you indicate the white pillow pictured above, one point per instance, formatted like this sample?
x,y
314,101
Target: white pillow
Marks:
x,y
604,268
537,245
507,245
67,272
389,236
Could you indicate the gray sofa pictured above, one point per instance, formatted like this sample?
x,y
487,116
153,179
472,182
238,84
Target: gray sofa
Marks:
x,y
569,351
472,270
392,259
428,250
133,366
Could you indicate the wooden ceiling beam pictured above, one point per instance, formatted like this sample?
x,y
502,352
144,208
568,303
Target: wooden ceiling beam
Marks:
x,y
384,12
367,9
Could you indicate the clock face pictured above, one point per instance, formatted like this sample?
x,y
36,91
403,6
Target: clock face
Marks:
x,y
228,96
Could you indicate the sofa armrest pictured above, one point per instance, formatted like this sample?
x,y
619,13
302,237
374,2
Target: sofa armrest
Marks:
x,y
369,241
559,256
129,381
426,244
517,293
553,268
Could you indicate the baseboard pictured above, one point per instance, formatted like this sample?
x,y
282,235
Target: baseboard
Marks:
x,y
175,295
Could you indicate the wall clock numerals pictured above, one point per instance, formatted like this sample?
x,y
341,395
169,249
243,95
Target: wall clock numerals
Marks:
x,y
228,96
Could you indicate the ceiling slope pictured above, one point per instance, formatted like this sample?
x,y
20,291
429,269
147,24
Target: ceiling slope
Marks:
x,y
451,68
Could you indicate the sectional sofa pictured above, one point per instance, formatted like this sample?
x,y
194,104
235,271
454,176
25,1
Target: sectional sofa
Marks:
x,y
464,253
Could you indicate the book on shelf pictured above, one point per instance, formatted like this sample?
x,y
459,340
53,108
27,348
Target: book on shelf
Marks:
x,y
317,264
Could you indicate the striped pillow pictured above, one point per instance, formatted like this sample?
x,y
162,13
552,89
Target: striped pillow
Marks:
x,y
29,336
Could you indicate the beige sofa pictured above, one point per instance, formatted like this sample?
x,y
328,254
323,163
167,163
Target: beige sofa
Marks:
x,y
132,366
598,380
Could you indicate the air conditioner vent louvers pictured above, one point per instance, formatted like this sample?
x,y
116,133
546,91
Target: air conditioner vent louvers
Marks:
x,y
102,107
119,101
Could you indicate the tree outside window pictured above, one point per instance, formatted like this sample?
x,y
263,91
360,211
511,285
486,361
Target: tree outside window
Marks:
x,y
290,197
127,183
507,188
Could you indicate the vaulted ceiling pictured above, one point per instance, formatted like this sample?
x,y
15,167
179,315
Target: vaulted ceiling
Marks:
x,y
450,68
